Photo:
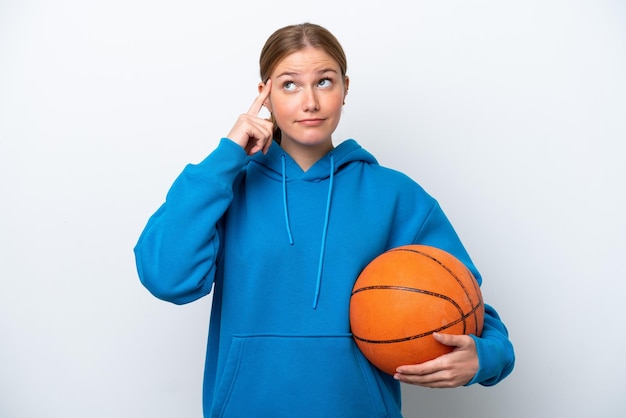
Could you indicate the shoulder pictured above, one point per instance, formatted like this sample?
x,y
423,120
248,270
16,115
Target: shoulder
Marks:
x,y
373,168
393,178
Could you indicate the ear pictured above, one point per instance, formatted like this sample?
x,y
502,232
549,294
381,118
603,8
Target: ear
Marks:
x,y
266,102
346,85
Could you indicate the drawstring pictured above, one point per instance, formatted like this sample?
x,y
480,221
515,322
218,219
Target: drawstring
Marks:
x,y
318,283
285,200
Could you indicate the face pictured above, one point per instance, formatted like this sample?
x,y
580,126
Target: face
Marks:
x,y
307,97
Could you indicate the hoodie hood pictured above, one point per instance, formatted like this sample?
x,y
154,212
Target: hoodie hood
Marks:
x,y
345,153
280,166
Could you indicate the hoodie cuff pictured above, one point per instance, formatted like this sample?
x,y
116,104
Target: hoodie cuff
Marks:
x,y
494,361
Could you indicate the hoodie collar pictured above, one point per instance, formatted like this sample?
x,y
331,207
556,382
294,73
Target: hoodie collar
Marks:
x,y
346,152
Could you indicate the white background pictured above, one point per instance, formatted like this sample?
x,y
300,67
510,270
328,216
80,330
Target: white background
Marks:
x,y
512,114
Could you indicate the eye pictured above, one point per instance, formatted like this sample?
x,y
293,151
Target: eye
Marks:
x,y
325,83
289,86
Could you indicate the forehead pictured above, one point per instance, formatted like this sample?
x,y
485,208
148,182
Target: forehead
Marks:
x,y
307,60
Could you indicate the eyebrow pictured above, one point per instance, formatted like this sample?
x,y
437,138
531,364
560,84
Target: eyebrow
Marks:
x,y
294,73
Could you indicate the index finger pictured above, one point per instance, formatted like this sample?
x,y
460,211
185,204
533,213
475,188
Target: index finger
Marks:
x,y
257,105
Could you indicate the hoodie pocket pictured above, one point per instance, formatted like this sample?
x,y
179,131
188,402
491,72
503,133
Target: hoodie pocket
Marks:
x,y
295,376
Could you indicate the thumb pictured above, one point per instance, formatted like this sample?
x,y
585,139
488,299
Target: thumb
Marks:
x,y
447,339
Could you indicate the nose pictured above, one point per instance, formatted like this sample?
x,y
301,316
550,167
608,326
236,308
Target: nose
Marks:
x,y
310,102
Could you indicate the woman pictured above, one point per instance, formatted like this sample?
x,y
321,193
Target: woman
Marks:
x,y
278,222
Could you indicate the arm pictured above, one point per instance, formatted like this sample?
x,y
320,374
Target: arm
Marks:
x,y
486,359
178,248
177,252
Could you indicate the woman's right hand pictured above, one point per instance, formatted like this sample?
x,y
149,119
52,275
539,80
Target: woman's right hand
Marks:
x,y
252,132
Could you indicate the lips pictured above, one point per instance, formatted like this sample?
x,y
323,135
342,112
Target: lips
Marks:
x,y
311,122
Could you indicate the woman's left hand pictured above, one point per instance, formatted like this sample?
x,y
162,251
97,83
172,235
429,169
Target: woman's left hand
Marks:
x,y
447,371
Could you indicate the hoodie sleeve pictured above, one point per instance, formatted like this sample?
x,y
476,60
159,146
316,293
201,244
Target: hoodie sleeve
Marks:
x,y
495,351
177,250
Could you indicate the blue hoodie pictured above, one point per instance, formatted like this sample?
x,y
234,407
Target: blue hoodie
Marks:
x,y
281,248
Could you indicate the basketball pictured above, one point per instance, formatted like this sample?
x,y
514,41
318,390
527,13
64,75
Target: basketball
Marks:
x,y
405,295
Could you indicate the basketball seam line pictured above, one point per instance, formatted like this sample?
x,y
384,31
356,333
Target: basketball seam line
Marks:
x,y
413,337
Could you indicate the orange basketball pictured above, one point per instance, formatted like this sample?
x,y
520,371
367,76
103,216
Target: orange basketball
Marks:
x,y
405,295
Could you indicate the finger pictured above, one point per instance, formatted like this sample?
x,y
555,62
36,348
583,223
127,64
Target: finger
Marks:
x,y
269,141
450,376
257,105
421,369
260,136
430,373
457,341
430,381
445,339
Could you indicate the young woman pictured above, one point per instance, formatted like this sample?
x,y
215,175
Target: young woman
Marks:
x,y
278,222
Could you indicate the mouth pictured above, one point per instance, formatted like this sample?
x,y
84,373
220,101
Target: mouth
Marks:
x,y
311,121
